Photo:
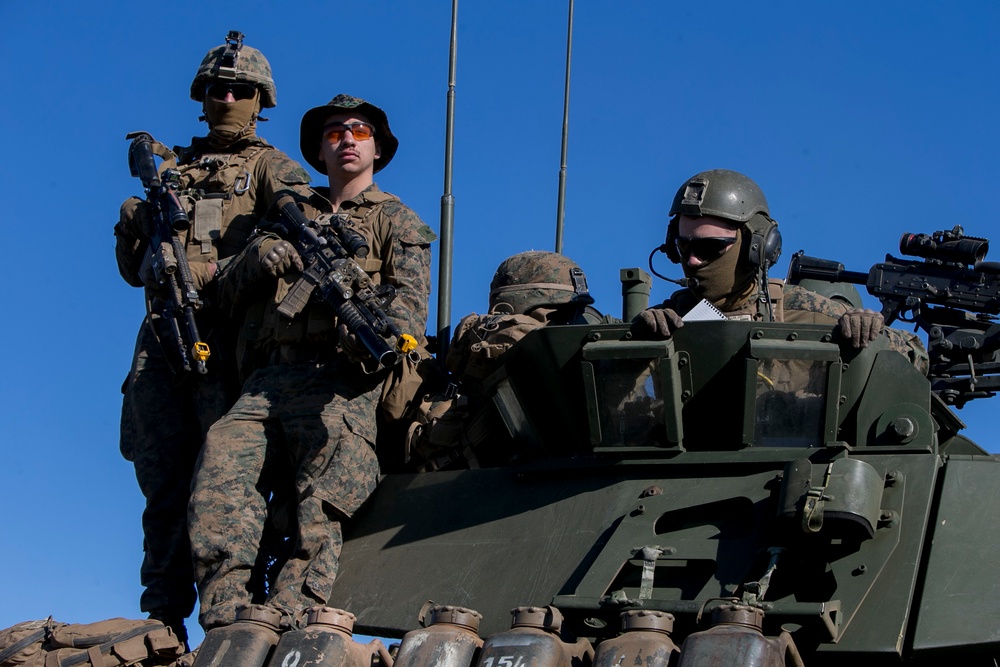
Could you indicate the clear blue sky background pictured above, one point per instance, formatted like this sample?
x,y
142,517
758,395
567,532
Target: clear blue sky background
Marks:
x,y
860,120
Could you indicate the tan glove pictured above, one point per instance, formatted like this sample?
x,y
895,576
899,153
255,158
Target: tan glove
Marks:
x,y
278,256
136,219
861,326
656,324
349,343
147,274
203,273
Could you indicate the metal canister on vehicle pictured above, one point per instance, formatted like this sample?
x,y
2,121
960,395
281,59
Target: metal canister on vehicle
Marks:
x,y
327,640
534,639
247,642
449,638
645,640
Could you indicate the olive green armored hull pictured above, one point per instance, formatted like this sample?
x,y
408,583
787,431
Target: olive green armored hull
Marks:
x,y
762,464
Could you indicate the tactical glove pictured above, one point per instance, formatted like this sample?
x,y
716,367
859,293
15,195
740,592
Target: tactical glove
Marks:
x,y
656,324
277,257
861,326
136,219
148,274
354,350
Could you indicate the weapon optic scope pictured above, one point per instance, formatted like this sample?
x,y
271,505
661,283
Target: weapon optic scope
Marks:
x,y
951,246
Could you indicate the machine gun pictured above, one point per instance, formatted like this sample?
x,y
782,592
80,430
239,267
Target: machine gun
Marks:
x,y
950,293
170,264
332,273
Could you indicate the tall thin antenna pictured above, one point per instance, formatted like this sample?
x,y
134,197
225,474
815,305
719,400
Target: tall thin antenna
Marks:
x,y
561,204
447,201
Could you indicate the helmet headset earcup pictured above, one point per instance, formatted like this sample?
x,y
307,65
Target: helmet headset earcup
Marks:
x,y
669,246
765,241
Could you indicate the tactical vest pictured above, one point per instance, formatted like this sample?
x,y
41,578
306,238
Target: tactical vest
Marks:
x,y
264,328
448,429
218,192
684,300
481,340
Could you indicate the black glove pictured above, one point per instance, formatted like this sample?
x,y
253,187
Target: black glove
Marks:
x,y
277,257
861,326
656,324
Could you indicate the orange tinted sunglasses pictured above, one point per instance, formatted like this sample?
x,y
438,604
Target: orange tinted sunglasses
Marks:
x,y
360,131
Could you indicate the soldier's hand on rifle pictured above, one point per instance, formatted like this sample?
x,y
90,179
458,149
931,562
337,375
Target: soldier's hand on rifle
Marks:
x,y
203,273
278,256
656,324
148,273
861,326
354,350
136,218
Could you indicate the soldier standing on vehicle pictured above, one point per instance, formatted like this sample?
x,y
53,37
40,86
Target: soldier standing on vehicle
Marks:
x,y
226,182
722,234
309,401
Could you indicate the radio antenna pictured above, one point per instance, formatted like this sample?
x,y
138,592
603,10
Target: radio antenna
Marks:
x,y
447,202
561,204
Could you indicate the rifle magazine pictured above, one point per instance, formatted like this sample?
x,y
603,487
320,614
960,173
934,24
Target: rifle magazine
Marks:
x,y
297,298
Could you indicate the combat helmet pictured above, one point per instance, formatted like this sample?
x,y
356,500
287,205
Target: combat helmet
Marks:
x,y
311,130
729,195
720,193
537,278
233,61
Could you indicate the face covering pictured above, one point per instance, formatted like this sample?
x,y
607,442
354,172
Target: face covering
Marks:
x,y
728,280
230,121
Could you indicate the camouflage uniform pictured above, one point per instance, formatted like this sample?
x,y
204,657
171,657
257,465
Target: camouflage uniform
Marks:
x,y
733,279
796,304
529,290
166,415
306,410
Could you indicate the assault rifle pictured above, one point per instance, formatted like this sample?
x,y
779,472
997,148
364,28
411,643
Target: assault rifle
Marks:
x,y
331,273
951,293
170,264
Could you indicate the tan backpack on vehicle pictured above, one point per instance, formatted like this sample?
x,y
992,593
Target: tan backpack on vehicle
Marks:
x,y
117,641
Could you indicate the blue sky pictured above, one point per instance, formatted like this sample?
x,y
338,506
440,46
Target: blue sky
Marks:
x,y
859,120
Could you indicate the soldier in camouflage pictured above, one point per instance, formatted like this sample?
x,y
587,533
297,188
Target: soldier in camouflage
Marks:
x,y
452,426
529,290
227,180
308,406
722,234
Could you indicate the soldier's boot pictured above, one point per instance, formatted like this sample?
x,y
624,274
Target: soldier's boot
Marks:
x,y
175,622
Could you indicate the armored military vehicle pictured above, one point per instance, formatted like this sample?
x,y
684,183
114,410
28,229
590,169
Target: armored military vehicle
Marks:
x,y
757,493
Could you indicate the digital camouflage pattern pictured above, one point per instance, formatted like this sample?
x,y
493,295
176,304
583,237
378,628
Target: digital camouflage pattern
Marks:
x,y
312,423
165,417
251,66
306,410
537,278
844,292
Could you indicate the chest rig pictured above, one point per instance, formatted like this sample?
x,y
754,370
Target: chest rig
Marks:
x,y
216,189
265,327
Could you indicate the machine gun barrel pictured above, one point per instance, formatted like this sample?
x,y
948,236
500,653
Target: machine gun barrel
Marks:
x,y
170,263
